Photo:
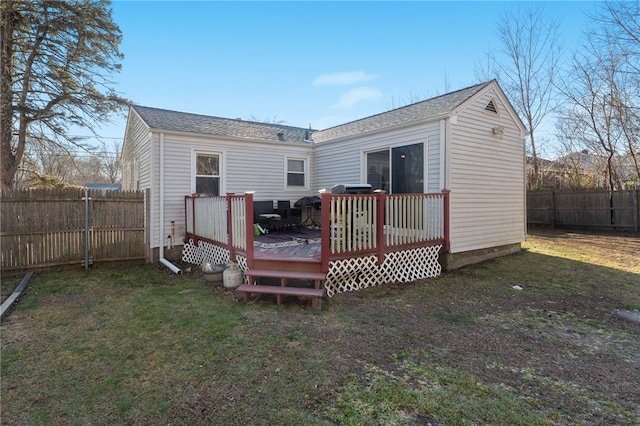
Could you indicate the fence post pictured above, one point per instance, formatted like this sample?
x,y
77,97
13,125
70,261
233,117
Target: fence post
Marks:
x,y
553,208
86,228
636,213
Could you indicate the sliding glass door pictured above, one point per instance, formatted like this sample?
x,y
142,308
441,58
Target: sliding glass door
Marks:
x,y
397,170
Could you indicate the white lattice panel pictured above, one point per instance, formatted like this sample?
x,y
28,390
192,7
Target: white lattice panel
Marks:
x,y
401,266
207,252
204,252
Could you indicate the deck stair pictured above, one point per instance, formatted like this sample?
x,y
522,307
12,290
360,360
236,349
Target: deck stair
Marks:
x,y
314,294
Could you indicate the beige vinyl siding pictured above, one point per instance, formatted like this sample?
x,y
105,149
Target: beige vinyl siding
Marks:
x,y
487,178
342,161
136,147
433,160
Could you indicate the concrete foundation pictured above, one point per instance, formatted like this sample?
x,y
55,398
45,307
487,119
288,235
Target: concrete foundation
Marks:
x,y
450,261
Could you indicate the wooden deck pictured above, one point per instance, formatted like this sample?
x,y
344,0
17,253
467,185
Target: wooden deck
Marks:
x,y
291,243
365,240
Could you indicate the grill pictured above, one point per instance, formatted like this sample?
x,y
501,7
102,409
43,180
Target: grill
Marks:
x,y
351,188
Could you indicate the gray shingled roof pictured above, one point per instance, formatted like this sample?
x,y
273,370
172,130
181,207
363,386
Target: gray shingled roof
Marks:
x,y
162,119
411,113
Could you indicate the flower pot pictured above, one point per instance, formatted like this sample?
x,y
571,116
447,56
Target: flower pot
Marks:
x,y
213,274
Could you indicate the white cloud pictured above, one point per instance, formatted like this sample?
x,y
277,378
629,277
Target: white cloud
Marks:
x,y
343,78
358,94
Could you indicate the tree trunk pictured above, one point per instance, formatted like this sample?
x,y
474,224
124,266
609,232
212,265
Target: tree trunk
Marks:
x,y
8,161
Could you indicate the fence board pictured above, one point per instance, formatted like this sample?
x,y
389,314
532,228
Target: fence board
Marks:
x,y
44,228
618,210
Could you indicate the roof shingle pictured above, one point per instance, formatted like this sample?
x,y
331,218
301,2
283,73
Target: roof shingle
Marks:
x,y
411,113
162,119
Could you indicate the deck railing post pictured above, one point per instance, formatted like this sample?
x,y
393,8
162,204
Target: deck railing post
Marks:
x,y
189,230
232,251
248,213
325,230
186,221
381,198
193,215
446,212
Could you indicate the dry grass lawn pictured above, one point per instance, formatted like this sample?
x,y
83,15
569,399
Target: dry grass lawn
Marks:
x,y
143,346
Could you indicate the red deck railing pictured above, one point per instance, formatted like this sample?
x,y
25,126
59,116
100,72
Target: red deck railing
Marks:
x,y
366,224
351,225
222,221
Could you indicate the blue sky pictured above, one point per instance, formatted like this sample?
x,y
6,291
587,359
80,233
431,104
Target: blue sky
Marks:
x,y
307,64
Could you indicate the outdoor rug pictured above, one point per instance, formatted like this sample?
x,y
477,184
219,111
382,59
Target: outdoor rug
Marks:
x,y
287,238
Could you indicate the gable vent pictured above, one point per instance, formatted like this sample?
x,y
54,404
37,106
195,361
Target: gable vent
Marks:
x,y
491,107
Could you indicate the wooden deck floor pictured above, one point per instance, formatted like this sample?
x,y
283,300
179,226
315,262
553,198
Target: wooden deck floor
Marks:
x,y
302,243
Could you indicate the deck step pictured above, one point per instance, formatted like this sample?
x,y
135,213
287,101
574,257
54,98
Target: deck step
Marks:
x,y
267,273
314,294
285,291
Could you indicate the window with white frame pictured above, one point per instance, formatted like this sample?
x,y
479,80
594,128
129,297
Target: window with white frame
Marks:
x,y
208,174
296,172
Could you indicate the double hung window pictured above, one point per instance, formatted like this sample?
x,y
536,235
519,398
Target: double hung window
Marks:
x,y
208,174
296,172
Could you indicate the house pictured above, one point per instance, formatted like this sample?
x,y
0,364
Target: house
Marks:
x,y
103,187
469,142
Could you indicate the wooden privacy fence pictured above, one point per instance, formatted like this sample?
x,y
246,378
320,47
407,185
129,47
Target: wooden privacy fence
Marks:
x,y
617,210
45,228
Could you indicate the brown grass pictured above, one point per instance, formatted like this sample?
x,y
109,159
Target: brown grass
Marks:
x,y
143,346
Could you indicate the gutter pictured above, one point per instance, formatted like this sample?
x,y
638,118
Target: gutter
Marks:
x,y
433,119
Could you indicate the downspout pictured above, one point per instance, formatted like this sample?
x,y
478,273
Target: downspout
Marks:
x,y
161,205
86,228
445,176
447,157
164,261
152,199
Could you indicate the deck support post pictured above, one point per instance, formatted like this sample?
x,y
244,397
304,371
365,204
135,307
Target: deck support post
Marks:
x,y
325,230
248,212
447,215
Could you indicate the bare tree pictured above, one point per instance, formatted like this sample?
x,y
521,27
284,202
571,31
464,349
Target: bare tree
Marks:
x,y
526,66
620,27
57,61
603,92
110,166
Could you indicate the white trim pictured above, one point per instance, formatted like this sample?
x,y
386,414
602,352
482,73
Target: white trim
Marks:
x,y
495,106
443,153
307,177
447,143
364,167
221,170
